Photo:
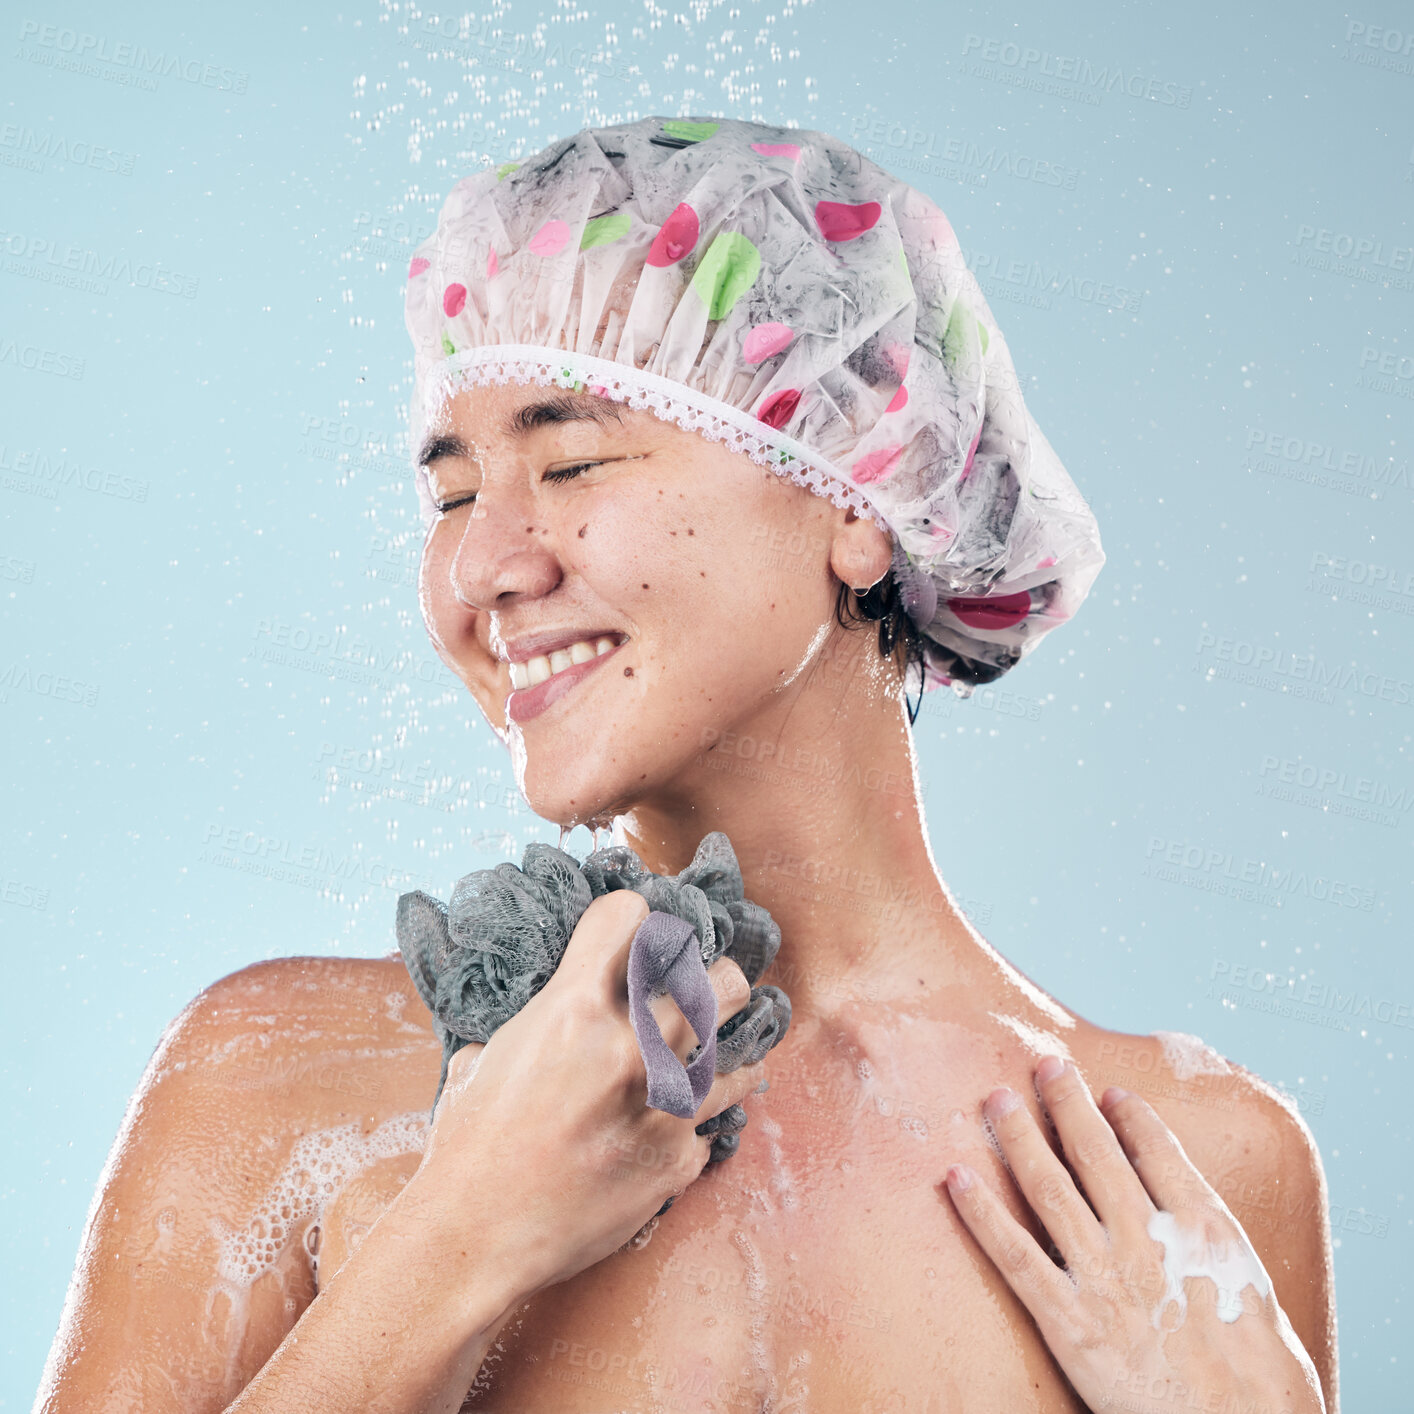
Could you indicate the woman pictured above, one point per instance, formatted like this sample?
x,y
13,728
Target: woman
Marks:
x,y
695,400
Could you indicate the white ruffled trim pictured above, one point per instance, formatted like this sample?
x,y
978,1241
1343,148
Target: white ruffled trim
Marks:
x,y
665,398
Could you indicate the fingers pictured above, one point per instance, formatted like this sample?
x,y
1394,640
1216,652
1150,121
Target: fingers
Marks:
x,y
1041,1285
1157,1157
732,991
462,1067
1042,1178
730,1089
596,955
1107,1176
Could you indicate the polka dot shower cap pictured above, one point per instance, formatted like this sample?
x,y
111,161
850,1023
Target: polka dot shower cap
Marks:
x,y
773,289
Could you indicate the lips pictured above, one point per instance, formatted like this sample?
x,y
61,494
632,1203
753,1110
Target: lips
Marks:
x,y
527,702
534,660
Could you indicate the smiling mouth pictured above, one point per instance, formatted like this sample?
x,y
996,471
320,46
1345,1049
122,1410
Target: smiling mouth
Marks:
x,y
530,701
545,666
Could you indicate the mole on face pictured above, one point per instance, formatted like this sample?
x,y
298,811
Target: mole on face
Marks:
x,y
628,672
582,529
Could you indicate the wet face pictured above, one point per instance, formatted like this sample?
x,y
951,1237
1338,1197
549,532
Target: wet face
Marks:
x,y
610,586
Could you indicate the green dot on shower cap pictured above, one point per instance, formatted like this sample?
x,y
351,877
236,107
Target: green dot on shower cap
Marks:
x,y
726,272
982,330
604,230
505,168
955,335
448,347
689,132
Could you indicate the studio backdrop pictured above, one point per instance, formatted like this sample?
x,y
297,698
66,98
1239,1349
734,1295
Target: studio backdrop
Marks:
x,y
228,737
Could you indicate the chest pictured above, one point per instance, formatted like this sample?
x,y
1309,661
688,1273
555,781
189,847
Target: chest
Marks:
x,y
819,1269
816,1270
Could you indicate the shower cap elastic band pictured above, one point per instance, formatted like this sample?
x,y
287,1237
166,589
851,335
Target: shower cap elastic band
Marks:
x,y
773,289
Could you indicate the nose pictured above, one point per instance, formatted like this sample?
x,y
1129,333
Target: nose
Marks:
x,y
503,554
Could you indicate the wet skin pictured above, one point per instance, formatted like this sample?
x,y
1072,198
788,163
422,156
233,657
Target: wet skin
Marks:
x,y
820,1268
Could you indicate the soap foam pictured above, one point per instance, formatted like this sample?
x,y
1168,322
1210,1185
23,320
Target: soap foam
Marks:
x,y
1232,1266
1037,1041
320,1164
1189,1056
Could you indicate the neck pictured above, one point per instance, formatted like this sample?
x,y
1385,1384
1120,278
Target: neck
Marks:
x,y
819,796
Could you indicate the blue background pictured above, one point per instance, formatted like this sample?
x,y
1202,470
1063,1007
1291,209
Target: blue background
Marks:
x,y
209,539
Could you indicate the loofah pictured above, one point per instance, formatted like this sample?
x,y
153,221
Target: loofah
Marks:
x,y
478,960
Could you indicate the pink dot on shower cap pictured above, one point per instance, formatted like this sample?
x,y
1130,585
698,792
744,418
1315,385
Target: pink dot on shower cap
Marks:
x,y
874,466
843,220
971,452
777,149
764,340
780,407
1046,563
940,228
491,265
898,355
676,236
454,300
550,238
418,265
996,613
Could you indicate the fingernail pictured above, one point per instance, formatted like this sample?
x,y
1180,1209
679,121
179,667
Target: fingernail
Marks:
x,y
1049,1069
960,1178
1113,1096
1002,1102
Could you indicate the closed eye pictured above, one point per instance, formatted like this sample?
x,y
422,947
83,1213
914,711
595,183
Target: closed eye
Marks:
x,y
563,473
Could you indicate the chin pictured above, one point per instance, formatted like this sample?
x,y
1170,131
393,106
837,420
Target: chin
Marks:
x,y
569,805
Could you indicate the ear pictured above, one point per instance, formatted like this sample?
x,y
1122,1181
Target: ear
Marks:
x,y
860,553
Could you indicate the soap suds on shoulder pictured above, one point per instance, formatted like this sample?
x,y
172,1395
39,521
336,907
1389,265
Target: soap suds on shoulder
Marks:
x,y
1189,1056
1039,1042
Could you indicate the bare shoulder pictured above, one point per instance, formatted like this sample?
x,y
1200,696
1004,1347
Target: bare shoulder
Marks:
x,y
322,1035
1249,1141
192,1266
1246,1137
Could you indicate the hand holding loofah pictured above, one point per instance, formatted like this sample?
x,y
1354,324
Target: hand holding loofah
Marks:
x,y
479,960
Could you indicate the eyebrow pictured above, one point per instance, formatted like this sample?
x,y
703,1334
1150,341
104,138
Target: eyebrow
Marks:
x,y
563,407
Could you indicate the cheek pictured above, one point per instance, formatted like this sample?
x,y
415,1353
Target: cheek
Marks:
x,y
450,624
644,551
433,588
701,573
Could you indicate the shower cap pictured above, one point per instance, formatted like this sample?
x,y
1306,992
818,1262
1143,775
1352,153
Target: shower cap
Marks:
x,y
773,289
477,961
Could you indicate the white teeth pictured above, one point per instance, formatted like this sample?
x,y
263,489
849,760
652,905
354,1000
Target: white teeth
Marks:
x,y
535,670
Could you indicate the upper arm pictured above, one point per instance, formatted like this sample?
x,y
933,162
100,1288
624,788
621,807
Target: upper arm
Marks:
x,y
157,1316
1263,1162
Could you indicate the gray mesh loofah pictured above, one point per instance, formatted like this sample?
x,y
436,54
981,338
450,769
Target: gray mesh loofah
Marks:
x,y
477,961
